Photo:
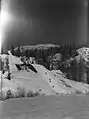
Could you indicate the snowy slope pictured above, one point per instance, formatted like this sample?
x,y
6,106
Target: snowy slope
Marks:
x,y
48,77
12,61
33,81
60,84
49,82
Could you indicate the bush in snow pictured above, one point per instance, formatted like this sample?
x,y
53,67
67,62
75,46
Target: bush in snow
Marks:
x,y
36,93
9,94
32,94
20,92
2,96
78,92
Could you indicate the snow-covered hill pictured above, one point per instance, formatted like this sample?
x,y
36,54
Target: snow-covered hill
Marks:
x,y
44,81
39,46
60,84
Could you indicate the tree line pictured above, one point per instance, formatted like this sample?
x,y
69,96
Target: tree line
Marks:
x,y
65,50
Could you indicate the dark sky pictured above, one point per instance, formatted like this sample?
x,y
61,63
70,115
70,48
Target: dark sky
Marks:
x,y
45,21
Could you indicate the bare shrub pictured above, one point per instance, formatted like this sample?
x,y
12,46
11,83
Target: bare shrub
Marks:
x,y
20,92
30,94
78,92
36,94
2,96
9,94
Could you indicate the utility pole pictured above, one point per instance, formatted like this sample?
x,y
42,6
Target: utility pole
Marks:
x,y
1,67
1,78
0,51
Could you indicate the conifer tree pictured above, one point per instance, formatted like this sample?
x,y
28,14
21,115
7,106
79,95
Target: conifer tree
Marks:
x,y
12,50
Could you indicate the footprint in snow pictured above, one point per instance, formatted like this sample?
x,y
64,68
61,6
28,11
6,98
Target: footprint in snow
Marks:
x,y
52,86
45,72
49,80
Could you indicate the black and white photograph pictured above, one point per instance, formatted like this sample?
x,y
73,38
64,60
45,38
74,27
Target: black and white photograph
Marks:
x,y
44,59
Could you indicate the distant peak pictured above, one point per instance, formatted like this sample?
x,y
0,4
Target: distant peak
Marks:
x,y
38,46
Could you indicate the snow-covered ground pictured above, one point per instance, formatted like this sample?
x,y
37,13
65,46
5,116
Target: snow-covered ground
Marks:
x,y
49,107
